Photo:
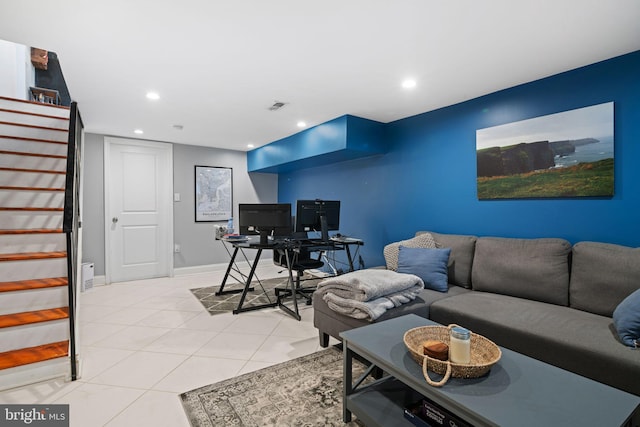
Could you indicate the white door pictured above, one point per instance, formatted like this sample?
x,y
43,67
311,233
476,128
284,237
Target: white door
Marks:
x,y
138,209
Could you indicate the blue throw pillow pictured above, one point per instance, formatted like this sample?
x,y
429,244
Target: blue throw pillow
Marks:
x,y
428,264
626,319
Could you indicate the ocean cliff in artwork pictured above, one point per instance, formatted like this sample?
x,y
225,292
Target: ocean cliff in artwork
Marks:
x,y
525,157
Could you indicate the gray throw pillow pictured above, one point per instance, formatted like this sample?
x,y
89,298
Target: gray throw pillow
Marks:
x,y
391,250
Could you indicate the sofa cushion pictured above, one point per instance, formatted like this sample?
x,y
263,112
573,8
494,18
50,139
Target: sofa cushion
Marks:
x,y
536,269
626,318
390,251
461,258
575,340
602,275
430,264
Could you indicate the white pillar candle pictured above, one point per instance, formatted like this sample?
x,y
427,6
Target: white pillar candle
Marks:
x,y
460,345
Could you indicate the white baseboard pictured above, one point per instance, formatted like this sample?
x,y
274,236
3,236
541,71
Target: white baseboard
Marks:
x,y
196,269
209,268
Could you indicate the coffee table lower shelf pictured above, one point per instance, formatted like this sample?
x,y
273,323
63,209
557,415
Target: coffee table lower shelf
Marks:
x,y
382,403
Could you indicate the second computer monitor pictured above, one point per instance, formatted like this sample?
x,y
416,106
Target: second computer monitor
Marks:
x,y
318,215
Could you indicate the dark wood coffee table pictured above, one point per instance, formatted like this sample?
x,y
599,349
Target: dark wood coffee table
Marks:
x,y
519,391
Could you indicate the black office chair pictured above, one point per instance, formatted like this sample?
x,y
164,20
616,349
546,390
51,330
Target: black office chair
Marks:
x,y
300,260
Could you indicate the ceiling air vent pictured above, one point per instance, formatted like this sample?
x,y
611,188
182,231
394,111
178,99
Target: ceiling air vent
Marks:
x,y
276,106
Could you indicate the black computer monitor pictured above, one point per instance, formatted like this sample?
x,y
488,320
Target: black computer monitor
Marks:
x,y
318,215
265,219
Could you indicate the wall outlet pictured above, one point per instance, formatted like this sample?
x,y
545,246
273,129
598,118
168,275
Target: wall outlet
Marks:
x,y
176,197
176,248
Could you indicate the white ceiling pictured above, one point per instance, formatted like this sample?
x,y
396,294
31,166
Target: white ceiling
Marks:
x,y
219,65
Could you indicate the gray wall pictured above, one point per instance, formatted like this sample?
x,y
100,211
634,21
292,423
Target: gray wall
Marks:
x,y
198,246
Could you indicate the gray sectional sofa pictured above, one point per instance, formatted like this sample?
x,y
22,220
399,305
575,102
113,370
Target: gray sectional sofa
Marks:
x,y
541,297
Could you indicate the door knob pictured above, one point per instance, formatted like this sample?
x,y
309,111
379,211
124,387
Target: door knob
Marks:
x,y
114,219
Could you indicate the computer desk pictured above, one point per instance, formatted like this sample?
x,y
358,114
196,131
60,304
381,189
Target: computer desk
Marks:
x,y
288,248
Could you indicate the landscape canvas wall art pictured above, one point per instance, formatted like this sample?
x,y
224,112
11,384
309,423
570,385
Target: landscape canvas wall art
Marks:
x,y
567,154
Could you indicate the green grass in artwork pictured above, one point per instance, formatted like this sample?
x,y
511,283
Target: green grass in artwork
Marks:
x,y
583,180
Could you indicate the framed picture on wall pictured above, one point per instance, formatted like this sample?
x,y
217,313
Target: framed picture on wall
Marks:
x,y
214,193
567,154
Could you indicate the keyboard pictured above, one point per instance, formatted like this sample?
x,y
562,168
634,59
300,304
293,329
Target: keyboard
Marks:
x,y
346,239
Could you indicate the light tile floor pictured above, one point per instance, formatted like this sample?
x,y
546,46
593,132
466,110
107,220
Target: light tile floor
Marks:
x,y
143,343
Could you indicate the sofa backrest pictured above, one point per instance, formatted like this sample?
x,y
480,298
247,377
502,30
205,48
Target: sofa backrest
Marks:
x,y
602,275
461,257
536,269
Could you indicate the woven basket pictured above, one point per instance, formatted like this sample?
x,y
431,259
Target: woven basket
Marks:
x,y
484,354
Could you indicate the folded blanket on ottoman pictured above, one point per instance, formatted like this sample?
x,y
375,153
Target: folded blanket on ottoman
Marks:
x,y
366,285
370,310
367,294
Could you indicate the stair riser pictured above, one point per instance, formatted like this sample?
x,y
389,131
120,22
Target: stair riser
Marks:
x,y
33,334
9,144
35,372
32,179
29,132
19,243
29,119
33,269
32,300
20,220
51,199
34,108
31,162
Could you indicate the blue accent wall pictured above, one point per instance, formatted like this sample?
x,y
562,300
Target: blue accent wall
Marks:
x,y
427,178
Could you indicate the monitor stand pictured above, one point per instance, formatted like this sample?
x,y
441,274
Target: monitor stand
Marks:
x,y
324,228
264,238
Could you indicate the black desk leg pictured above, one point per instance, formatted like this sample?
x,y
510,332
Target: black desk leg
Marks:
x,y
232,261
247,287
346,247
295,313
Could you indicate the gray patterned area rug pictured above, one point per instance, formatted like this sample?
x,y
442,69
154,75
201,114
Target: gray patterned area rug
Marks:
x,y
263,293
306,391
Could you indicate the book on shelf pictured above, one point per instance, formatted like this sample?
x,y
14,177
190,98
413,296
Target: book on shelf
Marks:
x,y
425,413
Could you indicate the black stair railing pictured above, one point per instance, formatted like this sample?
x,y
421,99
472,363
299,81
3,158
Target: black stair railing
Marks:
x,y
71,223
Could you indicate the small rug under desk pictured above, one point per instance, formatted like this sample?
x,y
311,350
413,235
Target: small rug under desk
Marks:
x,y
306,391
261,294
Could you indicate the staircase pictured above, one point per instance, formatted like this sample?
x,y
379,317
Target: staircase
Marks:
x,y
36,321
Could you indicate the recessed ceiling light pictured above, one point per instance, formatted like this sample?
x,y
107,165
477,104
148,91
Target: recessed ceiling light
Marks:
x,y
138,131
153,95
302,124
409,83
250,145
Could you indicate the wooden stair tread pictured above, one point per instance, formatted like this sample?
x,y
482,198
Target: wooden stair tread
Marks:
x,y
26,153
25,138
30,317
24,256
31,170
29,113
24,125
9,187
32,231
24,285
31,209
25,356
